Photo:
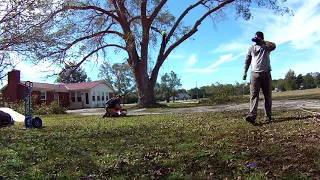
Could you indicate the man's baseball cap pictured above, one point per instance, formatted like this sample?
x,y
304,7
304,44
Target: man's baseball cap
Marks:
x,y
260,34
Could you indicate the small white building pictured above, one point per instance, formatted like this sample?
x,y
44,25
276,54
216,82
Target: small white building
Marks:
x,y
90,94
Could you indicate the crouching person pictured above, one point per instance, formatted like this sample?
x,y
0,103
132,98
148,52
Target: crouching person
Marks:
x,y
113,107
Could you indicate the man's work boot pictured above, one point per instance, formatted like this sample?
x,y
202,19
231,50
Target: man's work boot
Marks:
x,y
268,119
251,119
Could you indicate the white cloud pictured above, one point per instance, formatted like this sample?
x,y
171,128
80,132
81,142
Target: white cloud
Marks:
x,y
223,58
213,68
204,70
37,72
231,47
226,58
192,60
176,56
301,30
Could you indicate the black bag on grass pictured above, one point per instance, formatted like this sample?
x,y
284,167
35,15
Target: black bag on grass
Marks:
x,y
5,119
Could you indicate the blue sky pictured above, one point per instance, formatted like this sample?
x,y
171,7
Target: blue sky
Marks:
x,y
217,54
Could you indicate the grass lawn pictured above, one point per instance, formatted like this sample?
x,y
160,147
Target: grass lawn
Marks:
x,y
213,145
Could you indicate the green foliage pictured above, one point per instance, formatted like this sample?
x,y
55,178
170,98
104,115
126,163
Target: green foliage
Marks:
x,y
215,145
290,80
42,109
169,85
300,81
52,108
316,76
131,98
309,81
222,93
119,75
72,74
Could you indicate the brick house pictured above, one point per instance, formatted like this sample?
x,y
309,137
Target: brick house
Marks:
x,y
72,96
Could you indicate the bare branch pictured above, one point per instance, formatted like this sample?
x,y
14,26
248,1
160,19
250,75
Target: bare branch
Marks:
x,y
90,54
87,37
185,12
156,29
98,49
109,13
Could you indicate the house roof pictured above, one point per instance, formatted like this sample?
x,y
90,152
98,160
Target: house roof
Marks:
x,y
85,85
68,87
47,86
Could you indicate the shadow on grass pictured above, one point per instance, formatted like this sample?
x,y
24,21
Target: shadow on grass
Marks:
x,y
278,120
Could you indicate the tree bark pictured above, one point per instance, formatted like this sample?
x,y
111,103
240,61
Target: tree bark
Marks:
x,y
145,87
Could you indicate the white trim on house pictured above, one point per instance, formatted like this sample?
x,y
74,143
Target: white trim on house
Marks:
x,y
45,95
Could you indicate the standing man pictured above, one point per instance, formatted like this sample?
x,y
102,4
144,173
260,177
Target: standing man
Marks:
x,y
258,56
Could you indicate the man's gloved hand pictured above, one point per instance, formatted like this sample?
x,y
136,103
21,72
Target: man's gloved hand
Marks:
x,y
244,77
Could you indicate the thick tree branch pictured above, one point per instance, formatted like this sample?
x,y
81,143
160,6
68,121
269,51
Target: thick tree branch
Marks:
x,y
145,33
160,60
194,28
92,35
185,12
134,18
128,35
143,9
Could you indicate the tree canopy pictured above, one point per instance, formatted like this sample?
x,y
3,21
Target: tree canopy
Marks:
x,y
169,85
70,75
119,75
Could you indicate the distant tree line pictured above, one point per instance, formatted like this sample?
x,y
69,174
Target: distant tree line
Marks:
x,y
290,82
294,82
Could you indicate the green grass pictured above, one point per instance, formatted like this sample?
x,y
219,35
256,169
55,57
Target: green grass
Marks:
x,y
214,145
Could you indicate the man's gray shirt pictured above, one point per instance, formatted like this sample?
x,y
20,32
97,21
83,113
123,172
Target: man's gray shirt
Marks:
x,y
260,58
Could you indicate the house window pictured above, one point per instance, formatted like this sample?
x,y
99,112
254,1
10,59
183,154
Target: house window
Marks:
x,y
102,96
43,95
73,96
107,96
93,96
79,96
98,98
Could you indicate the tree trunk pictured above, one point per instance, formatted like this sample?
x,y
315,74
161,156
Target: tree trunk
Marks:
x,y
146,96
145,86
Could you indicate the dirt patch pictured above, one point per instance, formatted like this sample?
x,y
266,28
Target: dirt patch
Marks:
x,y
281,104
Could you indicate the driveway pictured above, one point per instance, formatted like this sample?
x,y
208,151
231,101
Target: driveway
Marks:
x,y
282,104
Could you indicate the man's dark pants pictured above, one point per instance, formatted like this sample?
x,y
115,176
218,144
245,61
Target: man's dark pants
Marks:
x,y
260,80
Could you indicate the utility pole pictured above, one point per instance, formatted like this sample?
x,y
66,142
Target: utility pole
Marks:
x,y
197,90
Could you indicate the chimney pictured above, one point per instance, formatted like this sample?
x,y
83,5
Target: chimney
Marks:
x,y
13,81
14,77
